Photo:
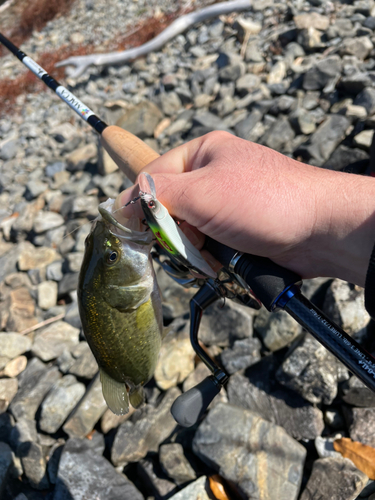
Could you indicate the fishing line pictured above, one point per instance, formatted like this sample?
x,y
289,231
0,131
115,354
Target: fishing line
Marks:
x,y
65,95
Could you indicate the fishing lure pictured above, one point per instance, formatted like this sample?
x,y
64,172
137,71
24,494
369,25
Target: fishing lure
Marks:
x,y
166,231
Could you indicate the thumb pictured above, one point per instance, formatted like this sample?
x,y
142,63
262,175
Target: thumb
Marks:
x,y
164,171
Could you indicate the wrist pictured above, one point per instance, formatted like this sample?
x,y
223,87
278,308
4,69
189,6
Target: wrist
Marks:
x,y
344,233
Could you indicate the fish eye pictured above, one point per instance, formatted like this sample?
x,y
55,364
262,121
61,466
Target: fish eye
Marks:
x,y
112,257
151,204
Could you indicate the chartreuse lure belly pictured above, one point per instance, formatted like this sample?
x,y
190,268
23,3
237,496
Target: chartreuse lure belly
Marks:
x,y
120,308
167,232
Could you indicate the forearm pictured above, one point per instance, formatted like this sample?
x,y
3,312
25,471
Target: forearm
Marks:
x,y
344,233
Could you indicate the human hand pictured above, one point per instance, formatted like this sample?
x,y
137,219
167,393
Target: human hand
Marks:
x,y
313,221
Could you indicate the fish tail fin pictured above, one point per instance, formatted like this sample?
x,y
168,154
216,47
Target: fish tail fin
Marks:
x,y
137,397
115,394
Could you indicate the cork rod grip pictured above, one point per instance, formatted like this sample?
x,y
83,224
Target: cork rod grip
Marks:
x,y
129,152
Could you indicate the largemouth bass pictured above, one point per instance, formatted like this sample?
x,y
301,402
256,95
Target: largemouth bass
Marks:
x,y
120,308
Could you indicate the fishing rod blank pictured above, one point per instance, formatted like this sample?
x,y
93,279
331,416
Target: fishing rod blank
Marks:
x,y
78,106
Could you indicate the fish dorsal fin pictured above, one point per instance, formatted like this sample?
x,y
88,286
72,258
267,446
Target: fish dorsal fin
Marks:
x,y
115,394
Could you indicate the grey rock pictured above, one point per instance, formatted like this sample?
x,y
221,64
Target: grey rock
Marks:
x,y
279,135
317,77
152,478
243,447
354,392
359,46
198,375
6,461
65,361
356,82
73,262
370,22
6,426
8,389
13,344
53,339
54,271
45,221
256,391
243,354
35,383
24,431
344,156
170,103
54,168
85,206
54,455
209,121
35,188
87,412
334,478
247,83
324,446
310,39
182,123
311,19
277,329
85,365
323,142
69,283
101,480
310,370
232,72
176,357
175,464
34,465
72,315
362,422
197,489
141,120
302,122
223,325
244,128
344,304
8,149
134,440
47,294
59,403
110,184
366,98
31,257
334,419
78,159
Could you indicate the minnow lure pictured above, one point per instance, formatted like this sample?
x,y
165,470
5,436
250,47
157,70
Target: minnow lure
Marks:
x,y
166,231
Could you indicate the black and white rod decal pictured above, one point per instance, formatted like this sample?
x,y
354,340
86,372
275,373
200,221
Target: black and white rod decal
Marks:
x,y
78,106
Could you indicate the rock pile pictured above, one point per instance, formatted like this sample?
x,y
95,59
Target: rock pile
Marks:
x,y
296,76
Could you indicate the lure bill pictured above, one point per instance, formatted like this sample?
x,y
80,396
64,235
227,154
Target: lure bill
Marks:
x,y
168,234
120,308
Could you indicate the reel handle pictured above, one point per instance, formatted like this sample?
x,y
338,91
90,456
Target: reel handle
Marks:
x,y
190,406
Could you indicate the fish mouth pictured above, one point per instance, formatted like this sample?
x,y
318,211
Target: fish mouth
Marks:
x,y
142,238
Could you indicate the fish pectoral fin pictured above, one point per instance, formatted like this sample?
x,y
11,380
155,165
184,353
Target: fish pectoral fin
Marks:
x,y
127,297
137,398
115,394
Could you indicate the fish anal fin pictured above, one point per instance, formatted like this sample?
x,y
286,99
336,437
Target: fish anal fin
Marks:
x,y
115,394
137,398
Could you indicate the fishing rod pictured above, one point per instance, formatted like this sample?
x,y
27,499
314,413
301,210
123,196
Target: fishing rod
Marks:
x,y
275,286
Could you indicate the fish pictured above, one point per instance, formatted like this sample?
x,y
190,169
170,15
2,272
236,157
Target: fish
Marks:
x,y
167,232
120,307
